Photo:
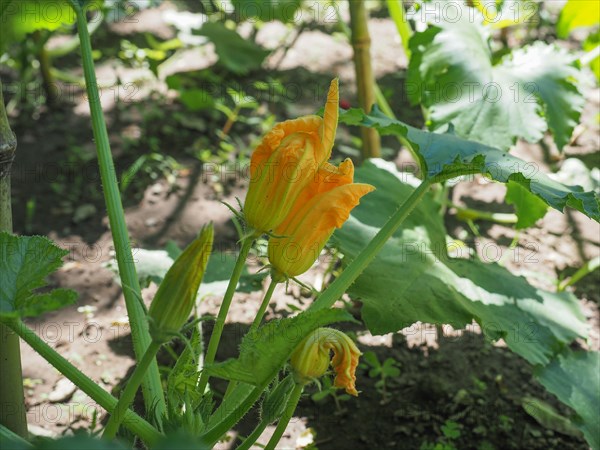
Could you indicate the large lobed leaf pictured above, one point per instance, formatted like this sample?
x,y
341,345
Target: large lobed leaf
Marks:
x,y
446,155
263,353
452,73
574,377
413,279
25,261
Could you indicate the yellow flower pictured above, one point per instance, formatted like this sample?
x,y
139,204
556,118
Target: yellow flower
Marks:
x,y
311,358
320,208
286,161
176,296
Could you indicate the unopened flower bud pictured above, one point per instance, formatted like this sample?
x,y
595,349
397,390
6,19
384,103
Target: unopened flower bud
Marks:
x,y
177,293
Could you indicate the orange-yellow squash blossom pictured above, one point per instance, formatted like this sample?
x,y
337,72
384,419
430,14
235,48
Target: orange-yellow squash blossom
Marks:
x,y
286,161
310,359
321,207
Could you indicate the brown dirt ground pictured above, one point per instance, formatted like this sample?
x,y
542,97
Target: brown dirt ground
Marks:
x,y
466,379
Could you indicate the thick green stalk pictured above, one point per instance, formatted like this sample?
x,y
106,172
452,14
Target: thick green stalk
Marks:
x,y
256,323
8,438
135,423
355,268
128,394
365,81
396,9
287,415
12,405
215,337
151,386
253,437
263,306
231,411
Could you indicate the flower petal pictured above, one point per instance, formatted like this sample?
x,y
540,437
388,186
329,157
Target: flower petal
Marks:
x,y
307,230
330,117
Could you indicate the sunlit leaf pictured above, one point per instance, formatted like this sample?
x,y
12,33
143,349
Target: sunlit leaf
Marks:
x,y
527,92
412,279
445,155
576,14
528,207
21,17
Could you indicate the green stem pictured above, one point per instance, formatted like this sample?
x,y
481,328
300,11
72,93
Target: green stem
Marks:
x,y
12,404
586,269
382,102
45,69
128,394
263,306
231,411
255,324
285,419
10,439
355,268
151,386
475,214
253,437
396,9
365,81
215,337
135,423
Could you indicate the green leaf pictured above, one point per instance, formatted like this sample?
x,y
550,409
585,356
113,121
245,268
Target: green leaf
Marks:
x,y
548,417
574,377
528,207
413,279
236,53
444,156
263,353
196,99
267,10
25,262
576,14
535,88
21,17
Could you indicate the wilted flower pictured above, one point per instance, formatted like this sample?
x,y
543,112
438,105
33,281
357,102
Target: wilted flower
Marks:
x,y
310,359
176,295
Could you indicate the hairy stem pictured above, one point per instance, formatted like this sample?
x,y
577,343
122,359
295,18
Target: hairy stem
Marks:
x,y
131,388
287,415
263,306
135,423
151,386
215,337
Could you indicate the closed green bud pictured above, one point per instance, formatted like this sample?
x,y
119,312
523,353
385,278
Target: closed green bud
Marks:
x,y
177,293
